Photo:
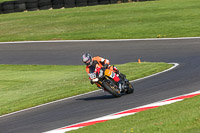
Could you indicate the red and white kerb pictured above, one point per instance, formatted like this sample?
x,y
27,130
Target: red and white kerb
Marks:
x,y
124,113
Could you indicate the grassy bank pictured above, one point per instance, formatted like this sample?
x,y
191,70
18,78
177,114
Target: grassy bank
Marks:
x,y
180,117
24,86
151,19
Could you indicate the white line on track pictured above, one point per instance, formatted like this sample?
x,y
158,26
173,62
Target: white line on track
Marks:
x,y
124,113
110,40
174,66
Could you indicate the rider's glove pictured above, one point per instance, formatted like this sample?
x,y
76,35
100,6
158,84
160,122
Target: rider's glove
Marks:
x,y
105,66
91,82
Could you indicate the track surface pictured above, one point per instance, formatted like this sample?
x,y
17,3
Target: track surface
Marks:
x,y
184,79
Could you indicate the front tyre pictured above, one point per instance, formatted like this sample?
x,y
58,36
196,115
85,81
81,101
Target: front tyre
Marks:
x,y
112,89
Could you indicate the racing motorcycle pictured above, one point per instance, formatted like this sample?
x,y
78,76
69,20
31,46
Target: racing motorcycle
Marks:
x,y
102,78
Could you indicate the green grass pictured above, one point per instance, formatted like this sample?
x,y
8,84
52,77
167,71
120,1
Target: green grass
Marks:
x,y
180,117
24,86
1,1
162,18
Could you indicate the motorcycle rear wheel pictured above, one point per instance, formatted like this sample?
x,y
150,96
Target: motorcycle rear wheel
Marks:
x,y
130,89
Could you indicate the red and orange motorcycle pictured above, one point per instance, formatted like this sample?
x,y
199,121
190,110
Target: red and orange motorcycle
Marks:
x,y
102,78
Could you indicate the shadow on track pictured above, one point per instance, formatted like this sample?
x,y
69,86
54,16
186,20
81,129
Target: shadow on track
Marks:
x,y
103,97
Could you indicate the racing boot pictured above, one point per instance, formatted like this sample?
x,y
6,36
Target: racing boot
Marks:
x,y
121,86
119,83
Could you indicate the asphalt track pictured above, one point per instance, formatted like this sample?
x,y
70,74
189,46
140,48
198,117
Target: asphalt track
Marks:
x,y
184,79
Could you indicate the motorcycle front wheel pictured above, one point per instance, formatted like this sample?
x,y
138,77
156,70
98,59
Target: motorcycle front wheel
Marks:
x,y
114,90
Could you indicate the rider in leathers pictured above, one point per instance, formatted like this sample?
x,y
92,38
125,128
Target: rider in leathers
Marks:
x,y
93,63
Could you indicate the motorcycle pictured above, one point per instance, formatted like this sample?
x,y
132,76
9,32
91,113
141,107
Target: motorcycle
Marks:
x,y
102,78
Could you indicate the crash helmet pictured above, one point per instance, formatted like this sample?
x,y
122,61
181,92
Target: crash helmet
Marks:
x,y
87,59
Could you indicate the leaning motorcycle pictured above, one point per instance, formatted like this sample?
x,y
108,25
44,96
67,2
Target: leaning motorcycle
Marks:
x,y
102,77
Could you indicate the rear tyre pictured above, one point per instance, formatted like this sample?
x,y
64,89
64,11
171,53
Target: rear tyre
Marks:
x,y
8,7
69,3
112,89
92,2
44,4
1,9
20,7
57,4
130,89
32,6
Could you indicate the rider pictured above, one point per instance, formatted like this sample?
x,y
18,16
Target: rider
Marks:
x,y
93,63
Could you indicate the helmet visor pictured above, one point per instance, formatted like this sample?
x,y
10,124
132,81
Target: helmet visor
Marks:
x,y
88,63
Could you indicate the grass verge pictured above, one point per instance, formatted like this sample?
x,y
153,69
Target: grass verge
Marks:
x,y
151,19
180,117
24,86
